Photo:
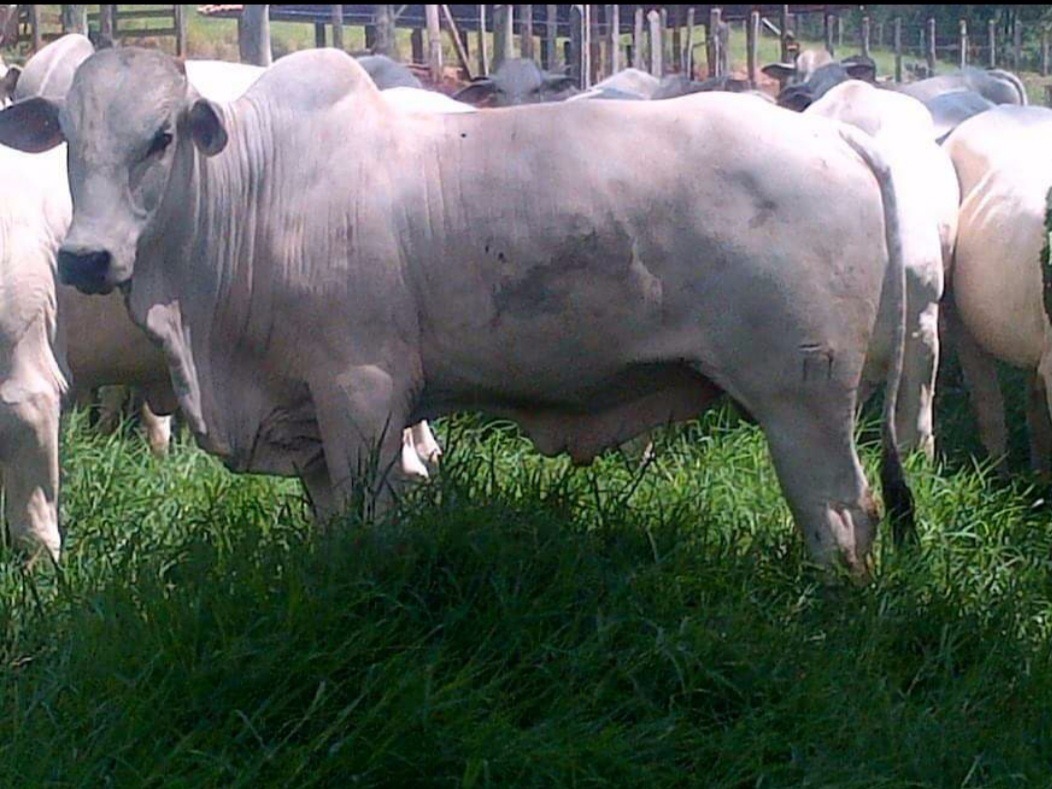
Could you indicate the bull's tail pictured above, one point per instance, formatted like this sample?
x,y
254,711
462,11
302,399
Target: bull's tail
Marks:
x,y
897,497
1046,257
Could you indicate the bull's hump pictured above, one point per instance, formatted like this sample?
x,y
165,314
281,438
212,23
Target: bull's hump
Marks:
x,y
315,79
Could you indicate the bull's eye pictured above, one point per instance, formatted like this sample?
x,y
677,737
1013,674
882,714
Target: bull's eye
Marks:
x,y
159,143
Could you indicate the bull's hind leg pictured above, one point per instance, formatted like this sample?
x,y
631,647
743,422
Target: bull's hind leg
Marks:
x,y
29,445
158,430
1039,426
914,421
813,449
980,376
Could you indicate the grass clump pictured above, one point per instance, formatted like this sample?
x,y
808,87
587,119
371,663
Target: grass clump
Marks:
x,y
521,622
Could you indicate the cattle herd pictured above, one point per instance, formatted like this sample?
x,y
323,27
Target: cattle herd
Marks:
x,y
311,260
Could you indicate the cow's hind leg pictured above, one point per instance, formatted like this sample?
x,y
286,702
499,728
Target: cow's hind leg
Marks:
x,y
29,440
813,451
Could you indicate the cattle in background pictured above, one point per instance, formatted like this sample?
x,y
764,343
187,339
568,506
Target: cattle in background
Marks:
x,y
809,78
517,81
800,70
388,73
673,85
1001,277
8,79
928,203
950,98
628,292
629,83
995,85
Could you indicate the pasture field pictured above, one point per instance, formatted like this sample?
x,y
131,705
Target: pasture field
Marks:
x,y
523,623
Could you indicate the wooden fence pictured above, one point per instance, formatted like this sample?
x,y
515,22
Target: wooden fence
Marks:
x,y
601,39
587,41
117,23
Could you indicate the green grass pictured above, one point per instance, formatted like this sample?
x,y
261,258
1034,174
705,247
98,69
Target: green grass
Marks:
x,y
521,622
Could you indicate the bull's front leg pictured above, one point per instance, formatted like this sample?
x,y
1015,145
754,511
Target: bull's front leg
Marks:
x,y
361,414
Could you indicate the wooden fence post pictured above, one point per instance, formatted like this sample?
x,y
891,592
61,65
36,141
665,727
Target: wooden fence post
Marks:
x,y
637,40
178,18
1044,52
688,46
783,21
674,52
386,42
962,42
991,42
337,26
75,19
509,38
931,47
434,43
595,45
526,32
551,35
656,66
254,35
459,38
897,42
839,31
829,34
483,46
575,58
416,45
501,33
613,15
1017,43
752,44
666,36
107,16
865,36
715,44
584,54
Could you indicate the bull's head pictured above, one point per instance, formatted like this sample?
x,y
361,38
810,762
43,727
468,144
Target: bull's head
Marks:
x,y
127,114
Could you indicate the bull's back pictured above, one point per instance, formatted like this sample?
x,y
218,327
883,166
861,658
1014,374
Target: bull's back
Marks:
x,y
653,225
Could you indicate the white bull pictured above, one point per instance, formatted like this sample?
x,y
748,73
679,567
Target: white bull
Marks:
x,y
1001,278
320,267
928,201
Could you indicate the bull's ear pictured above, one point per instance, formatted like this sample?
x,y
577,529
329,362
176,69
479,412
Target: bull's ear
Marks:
x,y
797,98
8,82
206,127
31,126
478,92
779,71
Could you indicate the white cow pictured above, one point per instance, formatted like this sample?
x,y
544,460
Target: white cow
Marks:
x,y
1001,277
321,268
928,201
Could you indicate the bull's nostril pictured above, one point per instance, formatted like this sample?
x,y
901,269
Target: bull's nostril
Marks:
x,y
86,270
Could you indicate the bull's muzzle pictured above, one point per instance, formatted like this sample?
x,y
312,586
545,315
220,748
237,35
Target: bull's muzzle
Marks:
x,y
86,270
